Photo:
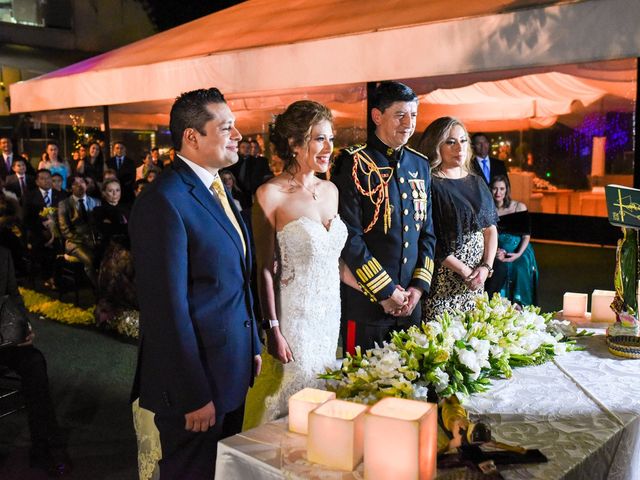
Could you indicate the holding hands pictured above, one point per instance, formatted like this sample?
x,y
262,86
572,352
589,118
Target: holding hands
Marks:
x,y
402,302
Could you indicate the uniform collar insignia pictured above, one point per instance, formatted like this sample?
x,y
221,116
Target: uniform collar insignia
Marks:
x,y
413,175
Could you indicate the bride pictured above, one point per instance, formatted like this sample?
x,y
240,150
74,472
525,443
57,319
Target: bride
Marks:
x,y
299,237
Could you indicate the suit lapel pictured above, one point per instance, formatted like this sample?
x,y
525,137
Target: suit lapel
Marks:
x,y
205,198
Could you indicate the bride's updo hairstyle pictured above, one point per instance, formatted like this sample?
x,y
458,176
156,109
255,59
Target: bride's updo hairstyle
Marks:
x,y
293,129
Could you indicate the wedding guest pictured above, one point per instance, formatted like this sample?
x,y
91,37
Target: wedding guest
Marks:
x,y
229,181
56,183
6,147
151,176
125,170
171,156
41,229
111,218
146,167
140,186
11,232
116,291
516,270
483,165
464,220
52,162
296,222
19,182
108,174
155,159
385,191
94,164
75,219
48,450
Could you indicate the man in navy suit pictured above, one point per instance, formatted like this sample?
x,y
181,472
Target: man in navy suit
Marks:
x,y
19,182
125,171
199,347
482,164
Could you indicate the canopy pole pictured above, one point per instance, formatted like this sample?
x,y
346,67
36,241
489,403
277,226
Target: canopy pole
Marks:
x,y
371,87
636,131
107,131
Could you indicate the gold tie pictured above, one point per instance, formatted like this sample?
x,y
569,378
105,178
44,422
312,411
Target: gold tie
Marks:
x,y
218,188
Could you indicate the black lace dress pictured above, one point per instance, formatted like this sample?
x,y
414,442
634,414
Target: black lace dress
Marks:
x,y
462,209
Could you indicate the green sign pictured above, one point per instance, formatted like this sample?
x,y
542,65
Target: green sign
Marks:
x,y
623,205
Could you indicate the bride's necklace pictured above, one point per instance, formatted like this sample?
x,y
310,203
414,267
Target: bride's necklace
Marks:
x,y
300,184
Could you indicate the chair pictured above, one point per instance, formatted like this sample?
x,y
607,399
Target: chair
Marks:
x,y
69,276
11,399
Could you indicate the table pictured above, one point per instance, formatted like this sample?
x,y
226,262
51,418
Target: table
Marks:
x,y
582,411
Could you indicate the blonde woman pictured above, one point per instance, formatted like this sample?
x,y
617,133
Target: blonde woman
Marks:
x,y
464,218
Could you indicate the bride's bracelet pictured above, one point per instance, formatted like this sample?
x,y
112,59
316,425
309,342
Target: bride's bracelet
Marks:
x,y
269,324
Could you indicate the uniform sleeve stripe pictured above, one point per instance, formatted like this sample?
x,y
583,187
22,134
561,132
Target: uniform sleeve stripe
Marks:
x,y
382,279
381,285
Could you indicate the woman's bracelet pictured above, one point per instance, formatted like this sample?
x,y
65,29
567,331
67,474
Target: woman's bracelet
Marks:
x,y
488,267
269,324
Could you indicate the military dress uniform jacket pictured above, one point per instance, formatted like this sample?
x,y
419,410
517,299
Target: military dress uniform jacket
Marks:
x,y
385,200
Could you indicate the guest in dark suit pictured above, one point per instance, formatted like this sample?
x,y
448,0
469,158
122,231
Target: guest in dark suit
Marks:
x,y
250,172
125,170
77,226
199,347
19,182
47,449
40,230
6,147
482,164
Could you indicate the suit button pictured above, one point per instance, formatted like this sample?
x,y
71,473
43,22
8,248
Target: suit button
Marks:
x,y
406,244
406,211
404,260
404,195
247,323
406,228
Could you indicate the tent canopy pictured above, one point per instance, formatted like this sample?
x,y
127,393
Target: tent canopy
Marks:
x,y
265,53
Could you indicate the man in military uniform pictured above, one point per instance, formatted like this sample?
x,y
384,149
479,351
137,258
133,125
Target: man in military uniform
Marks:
x,y
385,200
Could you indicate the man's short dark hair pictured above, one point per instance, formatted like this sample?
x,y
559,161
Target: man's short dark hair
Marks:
x,y
389,92
45,170
479,134
55,175
52,142
155,149
190,111
72,178
19,159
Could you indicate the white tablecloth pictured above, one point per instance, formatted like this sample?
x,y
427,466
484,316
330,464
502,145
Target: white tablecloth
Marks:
x,y
581,410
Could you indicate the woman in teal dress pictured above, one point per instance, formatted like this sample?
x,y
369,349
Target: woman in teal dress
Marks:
x,y
516,271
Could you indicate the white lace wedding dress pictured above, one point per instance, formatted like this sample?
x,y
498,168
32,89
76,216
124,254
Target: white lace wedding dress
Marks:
x,y
309,313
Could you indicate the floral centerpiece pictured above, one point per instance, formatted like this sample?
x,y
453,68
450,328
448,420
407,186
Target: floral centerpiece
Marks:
x,y
457,353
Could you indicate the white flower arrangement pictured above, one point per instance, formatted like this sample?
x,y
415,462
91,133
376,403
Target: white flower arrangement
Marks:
x,y
456,353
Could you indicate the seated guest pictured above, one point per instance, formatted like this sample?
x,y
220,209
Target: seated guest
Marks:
x,y
115,279
155,158
19,182
56,184
151,176
146,167
109,173
516,271
140,185
41,226
171,156
47,448
11,233
111,218
75,218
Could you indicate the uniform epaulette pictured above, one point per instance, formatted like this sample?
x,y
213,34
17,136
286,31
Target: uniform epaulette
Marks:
x,y
417,153
355,148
